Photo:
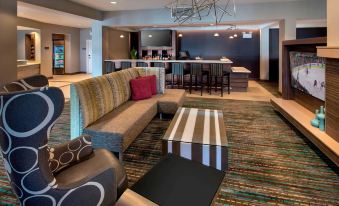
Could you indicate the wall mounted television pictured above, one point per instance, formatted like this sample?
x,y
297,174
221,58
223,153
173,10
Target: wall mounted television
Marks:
x,y
308,73
156,38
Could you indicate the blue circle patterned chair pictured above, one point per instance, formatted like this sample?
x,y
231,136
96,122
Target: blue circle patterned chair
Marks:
x,y
29,83
68,174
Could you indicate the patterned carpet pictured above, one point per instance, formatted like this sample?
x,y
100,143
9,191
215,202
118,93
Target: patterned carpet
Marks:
x,y
270,162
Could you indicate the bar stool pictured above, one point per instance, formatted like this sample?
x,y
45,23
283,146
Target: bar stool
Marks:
x,y
217,71
142,64
126,65
110,67
196,71
168,71
178,72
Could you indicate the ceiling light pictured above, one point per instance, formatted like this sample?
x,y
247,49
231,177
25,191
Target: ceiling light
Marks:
x,y
231,37
122,36
216,34
235,35
114,2
211,24
180,35
150,36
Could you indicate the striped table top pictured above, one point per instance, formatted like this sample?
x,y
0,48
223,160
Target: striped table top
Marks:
x,y
201,126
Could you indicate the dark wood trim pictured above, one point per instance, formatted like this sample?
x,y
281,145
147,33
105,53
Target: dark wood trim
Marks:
x,y
332,98
311,41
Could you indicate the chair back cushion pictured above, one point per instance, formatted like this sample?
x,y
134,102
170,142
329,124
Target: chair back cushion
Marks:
x,y
95,97
120,85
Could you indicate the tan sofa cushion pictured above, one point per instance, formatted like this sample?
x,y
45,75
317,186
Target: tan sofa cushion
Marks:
x,y
95,97
120,85
169,102
118,129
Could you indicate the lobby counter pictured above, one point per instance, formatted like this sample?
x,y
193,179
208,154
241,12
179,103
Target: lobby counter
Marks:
x,y
27,70
239,75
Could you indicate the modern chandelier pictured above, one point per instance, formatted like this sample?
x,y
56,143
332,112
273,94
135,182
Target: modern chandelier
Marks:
x,y
195,10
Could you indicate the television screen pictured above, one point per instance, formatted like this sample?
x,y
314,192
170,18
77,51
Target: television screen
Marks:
x,y
308,73
156,38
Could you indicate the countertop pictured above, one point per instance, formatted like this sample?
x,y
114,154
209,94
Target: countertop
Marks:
x,y
226,61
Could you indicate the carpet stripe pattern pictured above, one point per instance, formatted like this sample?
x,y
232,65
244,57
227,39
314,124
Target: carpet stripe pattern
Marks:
x,y
270,163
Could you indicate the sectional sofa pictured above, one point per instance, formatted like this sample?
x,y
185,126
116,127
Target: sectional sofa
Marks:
x,y
101,107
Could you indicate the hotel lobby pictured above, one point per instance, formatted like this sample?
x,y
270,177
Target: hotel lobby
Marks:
x,y
169,102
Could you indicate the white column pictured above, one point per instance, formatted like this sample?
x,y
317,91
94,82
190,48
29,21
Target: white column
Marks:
x,y
97,60
264,53
287,31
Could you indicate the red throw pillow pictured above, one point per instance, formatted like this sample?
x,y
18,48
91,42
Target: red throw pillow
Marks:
x,y
140,89
153,83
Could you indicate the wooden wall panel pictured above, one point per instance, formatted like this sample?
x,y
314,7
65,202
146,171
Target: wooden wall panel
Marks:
x,y
332,98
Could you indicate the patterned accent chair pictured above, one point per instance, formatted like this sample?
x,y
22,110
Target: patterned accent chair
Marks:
x,y
69,174
33,82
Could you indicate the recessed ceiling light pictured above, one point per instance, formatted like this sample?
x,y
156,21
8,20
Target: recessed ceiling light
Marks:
x,y
211,24
180,35
231,37
122,36
235,35
114,2
150,36
216,34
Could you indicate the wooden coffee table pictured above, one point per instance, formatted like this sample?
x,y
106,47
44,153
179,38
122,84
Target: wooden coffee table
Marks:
x,y
199,135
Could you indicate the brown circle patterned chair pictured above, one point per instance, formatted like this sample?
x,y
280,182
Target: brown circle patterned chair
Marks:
x,y
69,174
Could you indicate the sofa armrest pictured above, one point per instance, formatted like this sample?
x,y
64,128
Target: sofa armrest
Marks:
x,y
76,116
64,155
130,198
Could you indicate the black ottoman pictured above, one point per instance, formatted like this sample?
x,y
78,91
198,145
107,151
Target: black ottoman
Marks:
x,y
176,181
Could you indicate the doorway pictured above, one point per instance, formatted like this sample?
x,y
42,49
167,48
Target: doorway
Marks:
x,y
89,56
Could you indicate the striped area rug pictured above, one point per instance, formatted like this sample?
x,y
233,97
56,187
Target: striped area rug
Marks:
x,y
270,163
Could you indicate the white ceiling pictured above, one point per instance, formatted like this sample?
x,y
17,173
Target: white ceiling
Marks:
x,y
51,16
105,5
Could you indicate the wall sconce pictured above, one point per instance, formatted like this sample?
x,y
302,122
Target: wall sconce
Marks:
x,y
122,36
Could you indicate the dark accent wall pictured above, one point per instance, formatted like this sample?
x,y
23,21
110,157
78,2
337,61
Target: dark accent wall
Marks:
x,y
243,52
302,33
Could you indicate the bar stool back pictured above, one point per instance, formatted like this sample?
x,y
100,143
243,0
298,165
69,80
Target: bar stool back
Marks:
x,y
126,65
168,71
178,72
217,71
110,67
142,64
197,72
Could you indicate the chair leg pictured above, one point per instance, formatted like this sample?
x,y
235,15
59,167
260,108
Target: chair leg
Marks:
x,y
210,84
229,83
216,83
190,83
222,86
182,81
201,84
196,82
172,81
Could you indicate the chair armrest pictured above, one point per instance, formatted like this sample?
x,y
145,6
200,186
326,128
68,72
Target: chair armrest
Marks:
x,y
130,198
64,155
